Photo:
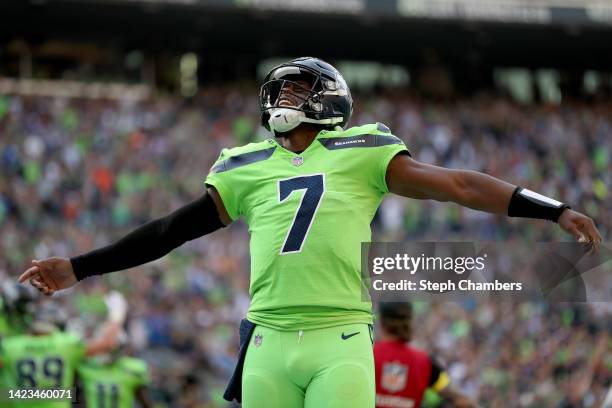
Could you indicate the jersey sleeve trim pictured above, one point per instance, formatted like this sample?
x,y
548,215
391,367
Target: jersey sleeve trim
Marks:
x,y
226,195
389,155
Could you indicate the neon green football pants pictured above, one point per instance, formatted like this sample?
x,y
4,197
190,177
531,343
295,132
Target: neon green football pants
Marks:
x,y
321,368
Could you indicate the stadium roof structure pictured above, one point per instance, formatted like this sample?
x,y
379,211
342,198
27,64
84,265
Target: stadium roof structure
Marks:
x,y
393,31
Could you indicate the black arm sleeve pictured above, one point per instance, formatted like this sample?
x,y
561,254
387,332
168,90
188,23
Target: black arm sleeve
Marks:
x,y
152,240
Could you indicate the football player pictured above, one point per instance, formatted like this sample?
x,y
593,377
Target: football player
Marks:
x,y
16,308
114,383
113,379
308,196
46,357
403,372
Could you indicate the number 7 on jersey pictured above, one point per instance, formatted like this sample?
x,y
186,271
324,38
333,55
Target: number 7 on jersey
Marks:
x,y
314,186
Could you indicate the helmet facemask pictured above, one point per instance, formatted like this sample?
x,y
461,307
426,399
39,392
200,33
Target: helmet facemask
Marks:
x,y
295,94
289,99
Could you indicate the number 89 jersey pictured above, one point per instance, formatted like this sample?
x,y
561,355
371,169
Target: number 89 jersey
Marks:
x,y
41,362
307,215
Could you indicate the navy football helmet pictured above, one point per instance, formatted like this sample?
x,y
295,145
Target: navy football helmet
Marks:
x,y
304,90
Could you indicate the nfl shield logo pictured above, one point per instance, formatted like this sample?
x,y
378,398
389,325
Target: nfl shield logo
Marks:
x,y
394,376
297,161
258,340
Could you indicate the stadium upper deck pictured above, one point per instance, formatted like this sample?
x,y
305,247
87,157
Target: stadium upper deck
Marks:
x,y
465,33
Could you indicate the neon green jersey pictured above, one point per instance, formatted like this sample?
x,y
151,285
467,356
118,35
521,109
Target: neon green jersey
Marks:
x,y
112,385
307,215
11,324
42,362
7,328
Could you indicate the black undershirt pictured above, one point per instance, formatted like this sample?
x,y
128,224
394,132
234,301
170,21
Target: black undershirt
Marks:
x,y
152,240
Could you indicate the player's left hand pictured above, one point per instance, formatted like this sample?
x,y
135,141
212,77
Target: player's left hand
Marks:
x,y
581,227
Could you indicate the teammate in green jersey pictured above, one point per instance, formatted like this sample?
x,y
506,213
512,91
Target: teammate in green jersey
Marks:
x,y
16,307
47,358
115,384
16,304
308,196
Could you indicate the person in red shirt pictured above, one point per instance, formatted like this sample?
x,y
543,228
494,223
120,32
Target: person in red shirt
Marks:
x,y
403,372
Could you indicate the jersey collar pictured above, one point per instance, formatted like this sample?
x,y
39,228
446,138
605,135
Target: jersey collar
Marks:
x,y
310,147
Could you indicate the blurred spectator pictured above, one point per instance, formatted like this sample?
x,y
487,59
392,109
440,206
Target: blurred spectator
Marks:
x,y
78,174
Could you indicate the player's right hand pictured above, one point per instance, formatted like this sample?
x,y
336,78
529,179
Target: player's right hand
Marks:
x,y
581,227
50,275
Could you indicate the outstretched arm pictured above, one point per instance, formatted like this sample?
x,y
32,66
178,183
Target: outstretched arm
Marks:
x,y
109,338
145,244
479,191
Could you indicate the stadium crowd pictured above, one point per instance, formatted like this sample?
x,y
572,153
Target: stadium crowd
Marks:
x,y
80,173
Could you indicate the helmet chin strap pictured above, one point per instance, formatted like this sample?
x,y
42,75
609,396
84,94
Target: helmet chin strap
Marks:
x,y
283,119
